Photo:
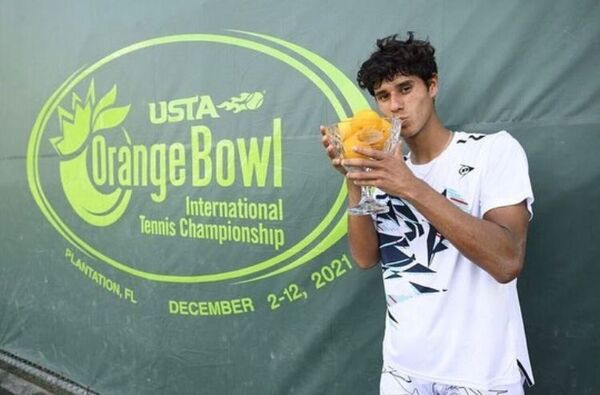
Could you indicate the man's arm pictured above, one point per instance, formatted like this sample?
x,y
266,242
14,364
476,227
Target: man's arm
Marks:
x,y
362,236
496,243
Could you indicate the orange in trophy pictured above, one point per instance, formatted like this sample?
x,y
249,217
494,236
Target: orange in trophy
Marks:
x,y
365,129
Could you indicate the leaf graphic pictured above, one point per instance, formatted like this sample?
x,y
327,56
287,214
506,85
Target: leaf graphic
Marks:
x,y
56,143
106,101
110,118
75,100
64,115
91,94
75,131
77,126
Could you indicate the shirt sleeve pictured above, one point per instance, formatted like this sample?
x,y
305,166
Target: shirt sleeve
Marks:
x,y
506,176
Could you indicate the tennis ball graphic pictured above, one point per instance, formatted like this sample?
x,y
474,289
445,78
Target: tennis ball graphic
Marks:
x,y
243,102
254,100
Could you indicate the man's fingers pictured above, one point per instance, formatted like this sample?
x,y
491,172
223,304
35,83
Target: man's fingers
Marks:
x,y
369,152
357,162
331,152
397,152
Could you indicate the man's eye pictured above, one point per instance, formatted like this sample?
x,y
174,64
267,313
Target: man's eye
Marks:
x,y
405,89
382,97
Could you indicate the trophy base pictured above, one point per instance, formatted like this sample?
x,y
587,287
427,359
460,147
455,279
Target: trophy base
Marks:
x,y
368,208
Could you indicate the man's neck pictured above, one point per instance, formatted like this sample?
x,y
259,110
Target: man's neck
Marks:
x,y
429,143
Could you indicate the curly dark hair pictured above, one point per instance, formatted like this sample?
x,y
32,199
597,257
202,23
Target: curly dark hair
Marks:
x,y
395,57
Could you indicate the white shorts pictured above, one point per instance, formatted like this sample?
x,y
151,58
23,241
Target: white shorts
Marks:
x,y
395,383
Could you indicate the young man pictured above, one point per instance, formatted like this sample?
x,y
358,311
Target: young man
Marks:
x,y
453,242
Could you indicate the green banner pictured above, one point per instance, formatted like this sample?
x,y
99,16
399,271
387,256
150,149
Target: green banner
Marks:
x,y
171,224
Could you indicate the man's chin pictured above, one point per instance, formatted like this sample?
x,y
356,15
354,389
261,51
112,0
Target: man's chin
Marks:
x,y
405,133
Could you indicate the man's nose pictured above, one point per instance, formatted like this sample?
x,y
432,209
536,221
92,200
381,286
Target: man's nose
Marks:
x,y
396,103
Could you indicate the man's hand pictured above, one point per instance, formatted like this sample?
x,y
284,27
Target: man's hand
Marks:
x,y
330,150
387,171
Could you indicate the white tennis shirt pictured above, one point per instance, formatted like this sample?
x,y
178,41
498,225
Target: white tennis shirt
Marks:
x,y
448,320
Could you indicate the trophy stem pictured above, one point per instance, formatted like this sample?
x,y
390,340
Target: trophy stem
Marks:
x,y
368,205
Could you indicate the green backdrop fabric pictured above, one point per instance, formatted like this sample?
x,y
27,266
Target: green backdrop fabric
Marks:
x,y
169,223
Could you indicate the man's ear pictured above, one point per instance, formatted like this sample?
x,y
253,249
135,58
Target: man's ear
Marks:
x,y
432,86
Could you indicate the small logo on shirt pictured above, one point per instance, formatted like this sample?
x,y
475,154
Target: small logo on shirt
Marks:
x,y
465,169
471,137
456,198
